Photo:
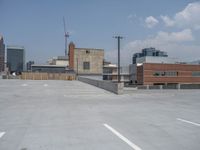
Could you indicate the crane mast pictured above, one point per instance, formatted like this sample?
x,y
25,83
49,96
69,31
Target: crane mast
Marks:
x,y
66,34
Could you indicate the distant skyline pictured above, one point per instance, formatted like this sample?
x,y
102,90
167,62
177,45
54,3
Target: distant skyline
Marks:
x,y
168,25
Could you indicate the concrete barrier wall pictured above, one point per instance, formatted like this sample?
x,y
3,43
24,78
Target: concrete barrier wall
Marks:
x,y
173,86
142,87
10,77
190,86
116,88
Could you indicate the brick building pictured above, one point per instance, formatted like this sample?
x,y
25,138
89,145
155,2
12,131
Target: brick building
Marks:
x,y
86,61
154,73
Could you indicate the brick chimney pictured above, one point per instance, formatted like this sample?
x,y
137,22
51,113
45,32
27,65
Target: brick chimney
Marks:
x,y
71,55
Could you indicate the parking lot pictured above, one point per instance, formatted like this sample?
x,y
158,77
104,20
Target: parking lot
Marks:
x,y
71,115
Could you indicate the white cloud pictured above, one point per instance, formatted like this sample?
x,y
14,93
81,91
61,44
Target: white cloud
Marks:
x,y
132,18
173,43
151,22
187,18
163,39
183,36
168,22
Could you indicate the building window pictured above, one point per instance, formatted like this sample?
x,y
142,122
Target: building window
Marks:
x,y
87,51
165,73
86,65
196,73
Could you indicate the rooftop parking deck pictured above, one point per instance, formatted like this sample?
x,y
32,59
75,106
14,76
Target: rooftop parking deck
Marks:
x,y
71,115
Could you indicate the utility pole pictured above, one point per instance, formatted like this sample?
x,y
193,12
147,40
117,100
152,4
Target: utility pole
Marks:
x,y
77,67
66,36
118,41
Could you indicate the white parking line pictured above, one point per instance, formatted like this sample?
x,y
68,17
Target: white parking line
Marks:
x,y
1,134
24,85
132,145
45,85
193,123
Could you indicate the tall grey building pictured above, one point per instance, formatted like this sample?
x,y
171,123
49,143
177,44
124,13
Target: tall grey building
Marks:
x,y
2,54
15,58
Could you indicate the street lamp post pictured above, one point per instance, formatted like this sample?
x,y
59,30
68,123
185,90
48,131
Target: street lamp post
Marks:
x,y
118,41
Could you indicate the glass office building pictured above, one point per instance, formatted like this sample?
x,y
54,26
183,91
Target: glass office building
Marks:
x,y
15,58
148,52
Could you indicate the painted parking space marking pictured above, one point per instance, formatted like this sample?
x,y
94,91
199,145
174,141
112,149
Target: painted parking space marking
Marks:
x,y
24,84
2,134
190,122
45,85
132,145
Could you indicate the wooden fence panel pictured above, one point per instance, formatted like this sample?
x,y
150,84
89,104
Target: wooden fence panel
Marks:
x,y
46,76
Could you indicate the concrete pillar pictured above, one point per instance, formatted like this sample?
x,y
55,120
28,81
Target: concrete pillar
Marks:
x,y
178,86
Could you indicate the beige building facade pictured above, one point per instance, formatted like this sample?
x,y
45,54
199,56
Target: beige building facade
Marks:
x,y
86,61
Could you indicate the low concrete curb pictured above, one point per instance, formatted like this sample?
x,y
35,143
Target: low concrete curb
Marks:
x,y
117,88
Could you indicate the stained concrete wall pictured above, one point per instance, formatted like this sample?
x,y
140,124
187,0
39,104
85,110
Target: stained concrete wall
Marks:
x,y
116,88
93,56
190,86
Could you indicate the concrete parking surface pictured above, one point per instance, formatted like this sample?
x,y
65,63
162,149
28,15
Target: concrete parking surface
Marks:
x,y
71,115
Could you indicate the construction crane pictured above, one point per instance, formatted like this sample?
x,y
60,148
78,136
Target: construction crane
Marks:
x,y
66,36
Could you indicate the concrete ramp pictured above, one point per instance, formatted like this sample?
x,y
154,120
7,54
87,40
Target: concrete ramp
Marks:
x,y
116,88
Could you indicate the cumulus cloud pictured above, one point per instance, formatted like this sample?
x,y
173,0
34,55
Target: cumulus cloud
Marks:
x,y
171,42
131,16
163,38
168,22
187,18
183,36
151,22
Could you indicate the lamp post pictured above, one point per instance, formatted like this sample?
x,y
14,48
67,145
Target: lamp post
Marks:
x,y
118,41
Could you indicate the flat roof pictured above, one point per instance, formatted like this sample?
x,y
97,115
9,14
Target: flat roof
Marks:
x,y
186,64
15,47
48,66
89,49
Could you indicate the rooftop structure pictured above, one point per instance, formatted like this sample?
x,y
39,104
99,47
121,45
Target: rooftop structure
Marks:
x,y
60,61
110,72
48,68
148,52
153,59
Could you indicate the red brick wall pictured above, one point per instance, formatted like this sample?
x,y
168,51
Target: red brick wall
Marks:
x,y
71,55
140,75
184,73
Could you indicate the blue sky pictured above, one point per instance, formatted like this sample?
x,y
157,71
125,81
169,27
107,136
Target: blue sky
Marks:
x,y
169,25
